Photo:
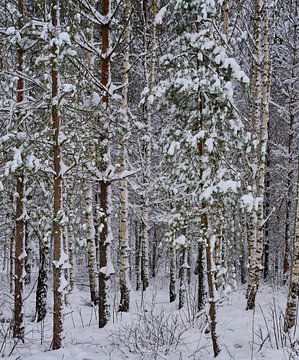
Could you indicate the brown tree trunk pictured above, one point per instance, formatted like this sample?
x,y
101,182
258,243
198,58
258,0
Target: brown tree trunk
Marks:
x,y
57,231
11,261
172,253
200,277
19,262
19,255
182,276
104,275
225,18
137,254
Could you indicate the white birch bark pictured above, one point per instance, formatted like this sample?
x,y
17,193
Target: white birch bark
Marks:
x,y
123,211
90,242
261,121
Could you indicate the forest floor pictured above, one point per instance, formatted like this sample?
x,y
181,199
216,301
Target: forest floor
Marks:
x,y
155,330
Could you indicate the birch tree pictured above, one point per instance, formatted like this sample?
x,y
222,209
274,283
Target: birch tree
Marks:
x,y
123,211
292,302
293,91
260,126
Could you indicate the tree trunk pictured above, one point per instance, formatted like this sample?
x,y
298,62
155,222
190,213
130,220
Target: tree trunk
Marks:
x,y
225,18
57,231
292,302
28,259
123,247
200,277
11,261
172,256
70,252
90,243
211,286
105,191
267,213
290,313
42,280
243,269
189,265
144,247
137,254
290,178
104,260
20,254
19,262
182,276
123,208
263,140
207,235
154,252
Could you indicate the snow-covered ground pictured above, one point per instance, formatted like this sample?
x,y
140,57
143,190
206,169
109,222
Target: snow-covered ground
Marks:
x,y
155,329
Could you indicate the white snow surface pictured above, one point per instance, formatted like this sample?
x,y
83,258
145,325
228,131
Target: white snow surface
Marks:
x,y
238,330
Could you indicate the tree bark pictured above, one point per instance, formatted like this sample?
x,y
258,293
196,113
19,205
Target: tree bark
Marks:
x,y
290,312
211,285
172,290
42,280
90,243
200,277
104,196
292,301
18,330
262,131
11,261
57,230
182,276
154,252
207,235
137,254
20,254
123,208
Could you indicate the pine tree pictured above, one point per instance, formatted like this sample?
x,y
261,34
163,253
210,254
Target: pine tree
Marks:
x,y
198,91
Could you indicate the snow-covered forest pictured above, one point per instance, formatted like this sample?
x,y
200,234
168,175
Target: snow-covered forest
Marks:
x,y
149,179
